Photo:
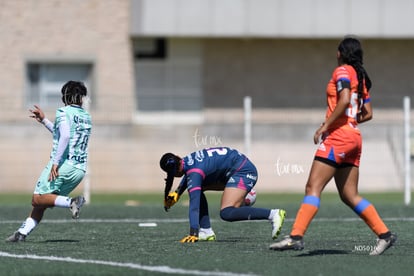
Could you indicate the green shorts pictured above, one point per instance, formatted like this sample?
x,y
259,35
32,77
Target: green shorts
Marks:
x,y
68,179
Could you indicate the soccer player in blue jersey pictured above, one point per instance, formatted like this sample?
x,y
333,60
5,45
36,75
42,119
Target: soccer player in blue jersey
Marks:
x,y
68,159
220,169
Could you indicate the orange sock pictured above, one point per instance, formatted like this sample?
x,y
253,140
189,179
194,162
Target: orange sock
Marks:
x,y
306,213
369,214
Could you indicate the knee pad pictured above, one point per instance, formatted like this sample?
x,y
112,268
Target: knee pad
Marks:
x,y
226,213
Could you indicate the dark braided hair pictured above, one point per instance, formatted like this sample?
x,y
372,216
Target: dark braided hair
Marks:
x,y
351,53
73,92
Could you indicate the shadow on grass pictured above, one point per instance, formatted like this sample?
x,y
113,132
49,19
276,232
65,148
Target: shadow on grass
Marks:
x,y
323,252
66,241
231,239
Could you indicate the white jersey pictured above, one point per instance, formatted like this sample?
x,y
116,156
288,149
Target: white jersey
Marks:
x,y
78,122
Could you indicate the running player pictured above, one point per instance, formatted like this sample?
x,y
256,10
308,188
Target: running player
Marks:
x,y
220,169
339,152
68,159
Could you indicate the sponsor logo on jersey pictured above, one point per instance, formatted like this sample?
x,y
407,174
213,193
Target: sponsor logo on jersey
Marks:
x,y
80,159
80,120
199,156
252,177
190,160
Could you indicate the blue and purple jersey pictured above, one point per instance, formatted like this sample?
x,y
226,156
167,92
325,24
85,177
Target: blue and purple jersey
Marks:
x,y
215,169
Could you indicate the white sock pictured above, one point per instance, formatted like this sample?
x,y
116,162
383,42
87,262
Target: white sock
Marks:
x,y
207,230
272,213
28,225
62,201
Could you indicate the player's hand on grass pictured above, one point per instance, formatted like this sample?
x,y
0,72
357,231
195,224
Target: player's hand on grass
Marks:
x,y
172,198
189,238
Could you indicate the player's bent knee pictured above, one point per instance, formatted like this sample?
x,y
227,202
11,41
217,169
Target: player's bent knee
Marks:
x,y
227,213
35,201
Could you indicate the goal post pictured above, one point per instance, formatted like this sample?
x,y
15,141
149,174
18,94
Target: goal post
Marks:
x,y
87,178
87,187
407,151
247,103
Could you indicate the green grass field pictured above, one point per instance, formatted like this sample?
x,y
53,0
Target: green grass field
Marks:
x,y
107,240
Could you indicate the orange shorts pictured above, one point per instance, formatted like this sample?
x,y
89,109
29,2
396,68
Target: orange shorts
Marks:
x,y
340,148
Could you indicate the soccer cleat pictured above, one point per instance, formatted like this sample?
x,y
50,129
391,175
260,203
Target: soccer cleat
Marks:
x,y
16,237
288,244
75,206
383,244
277,222
206,234
189,239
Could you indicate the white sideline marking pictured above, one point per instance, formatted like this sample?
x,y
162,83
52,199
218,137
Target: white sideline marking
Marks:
x,y
162,269
156,220
185,220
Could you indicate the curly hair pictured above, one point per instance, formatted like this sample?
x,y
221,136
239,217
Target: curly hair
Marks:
x,y
351,53
73,93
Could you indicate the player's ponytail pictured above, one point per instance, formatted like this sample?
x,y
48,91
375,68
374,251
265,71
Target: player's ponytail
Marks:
x,y
351,53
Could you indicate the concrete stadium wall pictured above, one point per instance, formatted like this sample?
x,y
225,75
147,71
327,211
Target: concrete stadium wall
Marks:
x,y
280,73
277,72
284,76
59,31
125,158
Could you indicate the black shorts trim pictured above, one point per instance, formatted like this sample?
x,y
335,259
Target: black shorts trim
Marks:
x,y
333,163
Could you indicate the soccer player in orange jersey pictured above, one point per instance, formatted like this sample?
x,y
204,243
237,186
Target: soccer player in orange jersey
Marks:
x,y
339,151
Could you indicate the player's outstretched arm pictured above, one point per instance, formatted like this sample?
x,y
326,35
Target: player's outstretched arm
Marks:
x,y
38,114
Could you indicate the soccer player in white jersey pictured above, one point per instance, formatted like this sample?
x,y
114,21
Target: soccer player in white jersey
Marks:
x,y
68,160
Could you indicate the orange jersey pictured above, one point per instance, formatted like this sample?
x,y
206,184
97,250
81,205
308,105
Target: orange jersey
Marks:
x,y
345,73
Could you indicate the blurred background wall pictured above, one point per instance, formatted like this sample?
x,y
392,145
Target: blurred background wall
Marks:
x,y
171,75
